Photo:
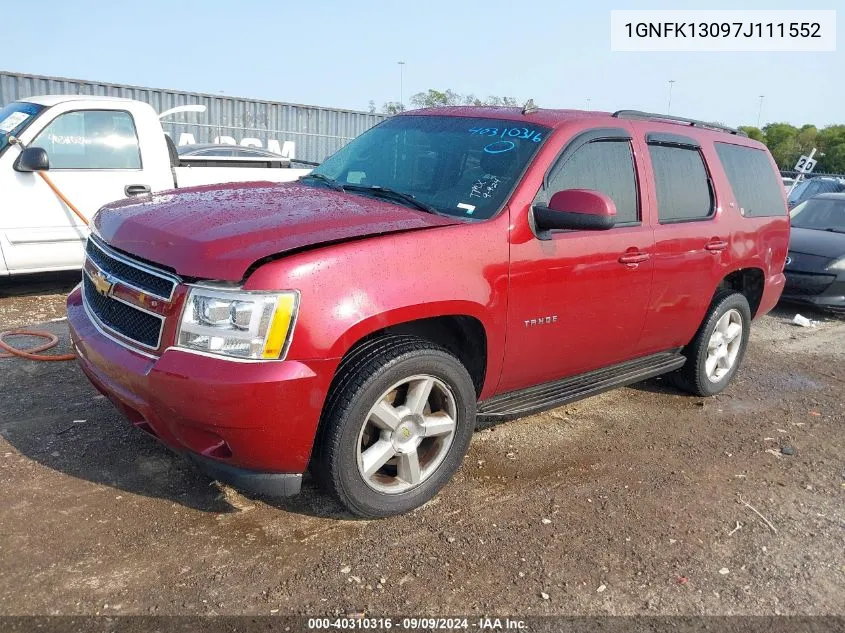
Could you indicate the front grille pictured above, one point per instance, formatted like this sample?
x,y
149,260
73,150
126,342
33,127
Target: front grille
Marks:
x,y
122,318
807,284
116,266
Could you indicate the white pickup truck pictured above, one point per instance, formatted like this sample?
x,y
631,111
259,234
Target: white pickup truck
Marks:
x,y
98,149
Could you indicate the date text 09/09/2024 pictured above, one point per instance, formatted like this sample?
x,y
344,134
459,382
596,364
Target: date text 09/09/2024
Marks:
x,y
415,624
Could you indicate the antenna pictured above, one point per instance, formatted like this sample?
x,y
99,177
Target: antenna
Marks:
x,y
182,108
529,107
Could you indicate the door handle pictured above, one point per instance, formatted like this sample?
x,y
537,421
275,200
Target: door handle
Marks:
x,y
136,190
716,245
633,258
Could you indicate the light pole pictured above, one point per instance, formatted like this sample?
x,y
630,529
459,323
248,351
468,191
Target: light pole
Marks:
x,y
760,110
669,106
401,85
588,103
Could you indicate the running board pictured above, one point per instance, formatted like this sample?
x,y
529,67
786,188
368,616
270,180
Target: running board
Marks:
x,y
515,404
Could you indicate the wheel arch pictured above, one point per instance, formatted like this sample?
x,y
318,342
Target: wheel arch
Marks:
x,y
749,281
456,326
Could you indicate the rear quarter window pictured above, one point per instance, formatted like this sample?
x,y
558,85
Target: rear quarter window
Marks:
x,y
754,182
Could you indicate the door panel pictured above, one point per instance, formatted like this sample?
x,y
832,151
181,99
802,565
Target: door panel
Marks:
x,y
94,155
692,242
578,300
573,305
684,273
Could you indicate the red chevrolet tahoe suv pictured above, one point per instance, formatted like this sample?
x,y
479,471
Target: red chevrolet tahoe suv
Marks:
x,y
446,265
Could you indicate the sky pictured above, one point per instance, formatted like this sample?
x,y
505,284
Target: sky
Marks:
x,y
343,54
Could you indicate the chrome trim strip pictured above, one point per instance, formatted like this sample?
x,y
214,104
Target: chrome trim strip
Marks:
x,y
95,322
106,250
131,305
109,275
129,338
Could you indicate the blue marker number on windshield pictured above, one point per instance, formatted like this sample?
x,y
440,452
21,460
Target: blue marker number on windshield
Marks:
x,y
509,132
499,147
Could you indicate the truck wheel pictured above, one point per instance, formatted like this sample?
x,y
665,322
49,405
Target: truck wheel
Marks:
x,y
717,350
396,426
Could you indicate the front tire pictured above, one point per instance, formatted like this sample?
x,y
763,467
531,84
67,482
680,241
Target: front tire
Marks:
x,y
396,426
716,352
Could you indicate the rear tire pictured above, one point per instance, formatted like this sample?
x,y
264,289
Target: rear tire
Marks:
x,y
716,352
396,426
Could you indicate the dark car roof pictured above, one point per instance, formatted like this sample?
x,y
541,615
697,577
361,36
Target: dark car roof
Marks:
x,y
830,196
197,147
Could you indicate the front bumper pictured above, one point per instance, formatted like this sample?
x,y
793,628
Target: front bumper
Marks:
x,y
250,424
804,288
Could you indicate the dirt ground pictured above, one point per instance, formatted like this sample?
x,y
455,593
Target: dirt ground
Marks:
x,y
633,502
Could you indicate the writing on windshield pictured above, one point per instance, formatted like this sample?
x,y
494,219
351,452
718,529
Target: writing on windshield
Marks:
x,y
462,166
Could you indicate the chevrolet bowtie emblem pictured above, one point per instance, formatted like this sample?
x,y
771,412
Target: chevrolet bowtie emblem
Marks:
x,y
102,283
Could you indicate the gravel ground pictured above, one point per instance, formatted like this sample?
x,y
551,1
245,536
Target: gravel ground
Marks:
x,y
638,501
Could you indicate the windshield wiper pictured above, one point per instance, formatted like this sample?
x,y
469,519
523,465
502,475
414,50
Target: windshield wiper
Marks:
x,y
387,192
331,182
375,190
299,161
833,229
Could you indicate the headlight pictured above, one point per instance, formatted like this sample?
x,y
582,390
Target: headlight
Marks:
x,y
253,325
838,264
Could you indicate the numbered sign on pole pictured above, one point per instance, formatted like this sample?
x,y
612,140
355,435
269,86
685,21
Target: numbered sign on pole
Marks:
x,y
805,165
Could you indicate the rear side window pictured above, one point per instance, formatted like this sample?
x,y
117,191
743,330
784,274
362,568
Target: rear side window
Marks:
x,y
605,166
754,182
683,186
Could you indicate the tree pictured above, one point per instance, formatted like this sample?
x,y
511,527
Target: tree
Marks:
x,y
780,138
392,107
508,102
787,143
436,98
753,132
831,142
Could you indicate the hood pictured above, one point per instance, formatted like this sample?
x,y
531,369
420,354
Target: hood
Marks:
x,y
813,242
219,231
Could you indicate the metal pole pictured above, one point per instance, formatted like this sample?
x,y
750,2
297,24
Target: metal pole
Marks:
x,y
588,103
760,110
669,106
401,85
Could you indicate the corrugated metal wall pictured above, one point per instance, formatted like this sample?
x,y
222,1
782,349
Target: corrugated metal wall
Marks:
x,y
317,132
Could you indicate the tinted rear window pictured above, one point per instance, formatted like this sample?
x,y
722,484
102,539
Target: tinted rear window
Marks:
x,y
682,183
754,182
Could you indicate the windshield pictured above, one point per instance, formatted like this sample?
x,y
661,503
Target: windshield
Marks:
x,y
821,214
795,196
14,118
456,165
813,187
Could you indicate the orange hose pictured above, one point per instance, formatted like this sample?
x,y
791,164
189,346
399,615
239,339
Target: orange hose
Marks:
x,y
62,197
32,352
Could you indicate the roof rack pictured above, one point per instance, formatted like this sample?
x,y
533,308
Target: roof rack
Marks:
x,y
638,114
